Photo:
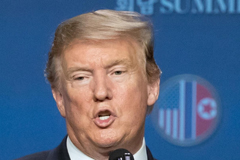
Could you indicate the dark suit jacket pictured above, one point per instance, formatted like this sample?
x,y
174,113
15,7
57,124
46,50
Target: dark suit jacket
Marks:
x,y
60,153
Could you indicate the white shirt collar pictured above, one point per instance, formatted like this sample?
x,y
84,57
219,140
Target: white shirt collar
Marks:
x,y
141,154
76,154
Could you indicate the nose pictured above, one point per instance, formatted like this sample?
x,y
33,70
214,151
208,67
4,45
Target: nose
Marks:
x,y
101,89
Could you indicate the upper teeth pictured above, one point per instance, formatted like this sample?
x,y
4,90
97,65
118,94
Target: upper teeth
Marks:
x,y
103,117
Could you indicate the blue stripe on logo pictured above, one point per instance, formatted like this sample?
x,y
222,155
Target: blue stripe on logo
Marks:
x,y
188,110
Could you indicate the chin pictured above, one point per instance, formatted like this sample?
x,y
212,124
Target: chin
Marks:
x,y
108,140
107,144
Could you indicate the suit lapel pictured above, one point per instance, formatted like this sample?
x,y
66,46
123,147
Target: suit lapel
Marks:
x,y
59,153
149,155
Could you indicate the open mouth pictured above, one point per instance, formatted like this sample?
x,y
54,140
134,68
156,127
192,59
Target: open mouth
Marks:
x,y
104,118
103,115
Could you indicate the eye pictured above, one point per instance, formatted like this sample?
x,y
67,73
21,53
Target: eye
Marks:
x,y
79,78
118,72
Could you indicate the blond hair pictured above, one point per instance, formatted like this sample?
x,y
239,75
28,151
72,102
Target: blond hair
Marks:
x,y
103,25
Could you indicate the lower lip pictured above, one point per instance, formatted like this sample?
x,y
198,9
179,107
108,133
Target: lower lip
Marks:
x,y
104,123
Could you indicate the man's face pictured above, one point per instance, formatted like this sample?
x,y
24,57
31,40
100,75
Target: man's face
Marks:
x,y
104,95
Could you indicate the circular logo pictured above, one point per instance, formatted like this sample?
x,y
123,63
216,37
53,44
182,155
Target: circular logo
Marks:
x,y
187,111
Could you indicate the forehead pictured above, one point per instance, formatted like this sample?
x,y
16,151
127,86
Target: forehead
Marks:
x,y
105,51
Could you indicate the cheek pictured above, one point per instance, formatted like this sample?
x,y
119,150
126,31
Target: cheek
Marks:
x,y
132,101
76,102
78,94
77,114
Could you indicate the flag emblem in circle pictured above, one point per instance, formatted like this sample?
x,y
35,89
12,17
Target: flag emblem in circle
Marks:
x,y
187,111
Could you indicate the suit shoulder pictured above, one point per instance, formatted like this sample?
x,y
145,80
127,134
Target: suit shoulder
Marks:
x,y
58,153
36,156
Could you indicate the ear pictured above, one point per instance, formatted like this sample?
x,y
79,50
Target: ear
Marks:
x,y
57,95
153,92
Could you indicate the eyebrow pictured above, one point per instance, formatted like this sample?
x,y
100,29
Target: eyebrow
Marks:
x,y
118,62
111,64
74,69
